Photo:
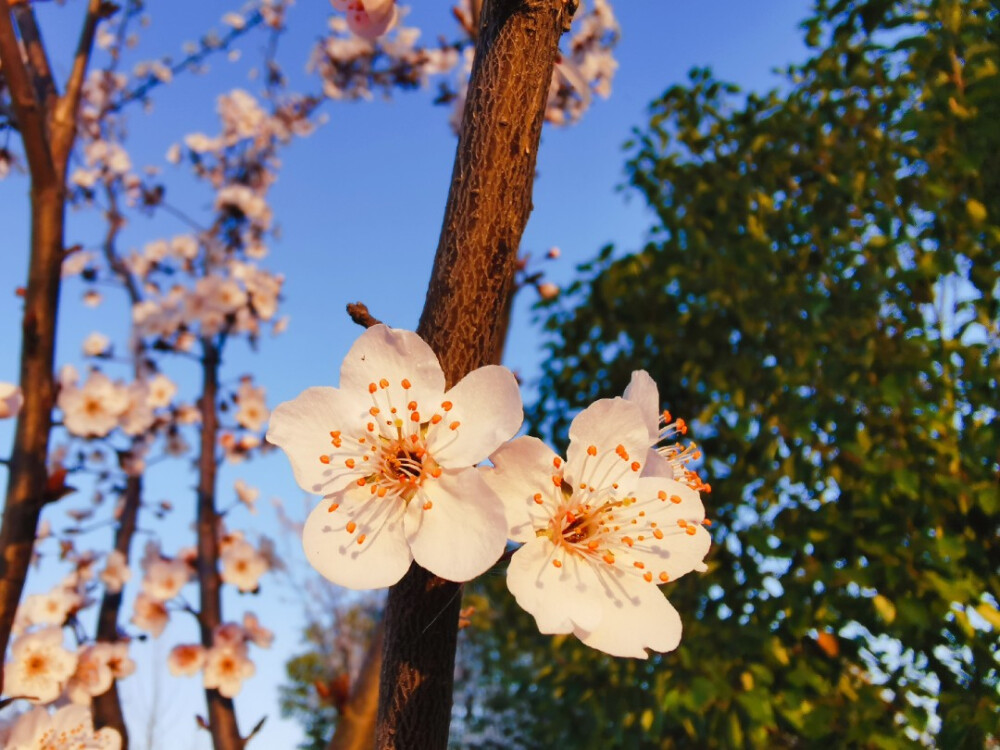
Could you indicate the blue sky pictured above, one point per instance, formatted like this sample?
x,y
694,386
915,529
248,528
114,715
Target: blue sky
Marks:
x,y
360,205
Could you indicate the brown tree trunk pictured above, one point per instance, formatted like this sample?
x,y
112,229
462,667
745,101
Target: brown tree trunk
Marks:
x,y
107,707
487,210
48,131
221,715
27,470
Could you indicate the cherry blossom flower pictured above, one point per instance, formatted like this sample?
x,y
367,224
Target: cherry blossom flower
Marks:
x,y
226,666
161,390
242,565
247,495
11,400
150,614
39,666
186,660
96,344
165,578
116,572
253,412
255,632
598,538
93,409
394,454
71,726
368,19
49,609
93,674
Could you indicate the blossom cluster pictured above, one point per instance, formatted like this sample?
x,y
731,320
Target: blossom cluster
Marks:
x,y
397,457
226,663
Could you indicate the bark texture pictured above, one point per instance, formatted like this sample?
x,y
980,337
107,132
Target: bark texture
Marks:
x,y
487,210
221,715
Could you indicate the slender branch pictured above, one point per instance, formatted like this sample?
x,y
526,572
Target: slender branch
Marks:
x,y
30,116
221,714
467,298
64,115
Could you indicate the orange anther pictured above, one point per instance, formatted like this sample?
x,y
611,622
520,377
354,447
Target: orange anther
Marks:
x,y
415,417
707,522
351,526
324,459
454,425
609,558
372,388
666,416
647,577
639,564
349,463
591,450
333,507
436,419
446,405
691,530
383,383
382,491
628,540
362,482
675,499
428,505
557,563
662,495
371,427
557,462
538,498
682,523
636,466
664,577
593,544
658,534
406,383
361,538
436,472
374,411
557,480
411,406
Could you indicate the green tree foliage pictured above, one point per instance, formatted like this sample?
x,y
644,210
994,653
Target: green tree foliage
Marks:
x,y
819,298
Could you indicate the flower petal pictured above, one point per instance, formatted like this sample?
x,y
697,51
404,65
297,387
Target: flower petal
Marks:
x,y
455,526
382,353
301,428
642,392
523,469
330,540
685,542
560,599
486,407
606,425
657,465
635,616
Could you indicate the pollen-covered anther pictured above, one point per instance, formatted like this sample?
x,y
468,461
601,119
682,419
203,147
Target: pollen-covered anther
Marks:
x,y
557,480
557,563
639,564
628,540
664,577
374,411
436,472
406,384
593,544
609,558
372,387
333,507
622,453
324,459
675,499
362,482
658,534
428,505
351,526
592,450
383,383
436,419
361,538
691,530
415,417
647,577
349,463
446,405
635,466
557,462
538,498
371,427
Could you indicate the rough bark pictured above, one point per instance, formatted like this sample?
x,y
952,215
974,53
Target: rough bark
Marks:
x,y
487,210
221,715
48,136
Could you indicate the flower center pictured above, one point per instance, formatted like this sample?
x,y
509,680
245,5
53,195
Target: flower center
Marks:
x,y
36,665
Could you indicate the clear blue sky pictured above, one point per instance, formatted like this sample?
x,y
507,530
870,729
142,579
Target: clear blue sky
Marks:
x,y
360,205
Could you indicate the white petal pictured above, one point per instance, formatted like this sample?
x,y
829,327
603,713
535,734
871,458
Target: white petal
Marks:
x,y
370,27
379,10
605,425
560,599
678,552
380,560
524,467
635,616
657,465
463,532
486,404
642,392
393,355
301,428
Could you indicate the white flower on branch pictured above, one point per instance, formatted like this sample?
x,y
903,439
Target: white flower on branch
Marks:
x,y
71,726
39,666
598,537
11,400
394,455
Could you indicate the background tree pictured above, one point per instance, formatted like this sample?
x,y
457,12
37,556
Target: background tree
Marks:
x,y
819,298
